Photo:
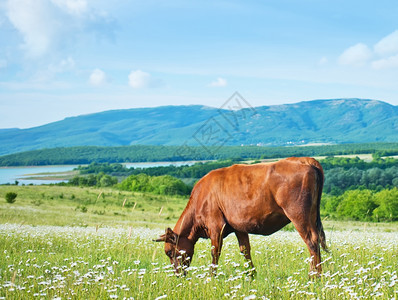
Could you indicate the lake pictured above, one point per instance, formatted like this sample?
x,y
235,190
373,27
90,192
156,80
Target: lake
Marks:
x,y
23,174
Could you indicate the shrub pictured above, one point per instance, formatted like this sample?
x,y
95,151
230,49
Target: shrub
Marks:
x,y
330,204
11,197
161,185
37,202
82,208
388,205
357,204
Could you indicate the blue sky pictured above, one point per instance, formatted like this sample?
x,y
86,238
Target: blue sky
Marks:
x,y
62,58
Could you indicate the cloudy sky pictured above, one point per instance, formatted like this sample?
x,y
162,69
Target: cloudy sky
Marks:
x,y
61,58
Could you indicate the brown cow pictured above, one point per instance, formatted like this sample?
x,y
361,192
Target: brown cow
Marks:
x,y
258,199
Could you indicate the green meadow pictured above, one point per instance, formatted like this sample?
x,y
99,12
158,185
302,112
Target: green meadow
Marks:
x,y
89,243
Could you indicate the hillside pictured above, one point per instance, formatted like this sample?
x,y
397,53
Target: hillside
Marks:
x,y
319,121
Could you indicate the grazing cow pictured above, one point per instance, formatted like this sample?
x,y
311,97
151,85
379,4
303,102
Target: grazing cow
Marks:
x,y
257,199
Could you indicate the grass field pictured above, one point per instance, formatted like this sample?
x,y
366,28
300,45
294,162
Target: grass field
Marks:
x,y
78,243
75,206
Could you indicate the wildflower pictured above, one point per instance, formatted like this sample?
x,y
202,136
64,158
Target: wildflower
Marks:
x,y
377,287
161,297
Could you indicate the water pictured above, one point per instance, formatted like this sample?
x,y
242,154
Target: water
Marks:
x,y
22,174
159,164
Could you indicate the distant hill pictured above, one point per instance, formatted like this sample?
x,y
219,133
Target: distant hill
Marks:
x,y
320,121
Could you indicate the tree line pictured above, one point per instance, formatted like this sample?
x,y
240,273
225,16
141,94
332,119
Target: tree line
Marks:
x,y
161,185
339,180
146,153
362,205
378,161
196,170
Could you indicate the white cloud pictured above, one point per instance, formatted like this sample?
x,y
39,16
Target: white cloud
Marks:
x,y
33,19
98,77
387,45
46,25
386,50
356,55
386,63
139,79
76,7
219,82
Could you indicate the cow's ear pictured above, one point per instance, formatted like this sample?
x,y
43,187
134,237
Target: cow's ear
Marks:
x,y
171,236
161,238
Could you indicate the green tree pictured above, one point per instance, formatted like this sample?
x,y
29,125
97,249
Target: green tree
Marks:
x,y
331,203
357,204
388,205
107,180
163,185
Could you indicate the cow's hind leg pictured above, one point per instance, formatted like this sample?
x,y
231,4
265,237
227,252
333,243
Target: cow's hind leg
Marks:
x,y
305,223
244,247
311,238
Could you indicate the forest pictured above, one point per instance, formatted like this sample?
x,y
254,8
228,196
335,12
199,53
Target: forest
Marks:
x,y
144,153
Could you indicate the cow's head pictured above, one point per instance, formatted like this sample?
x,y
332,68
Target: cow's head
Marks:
x,y
178,249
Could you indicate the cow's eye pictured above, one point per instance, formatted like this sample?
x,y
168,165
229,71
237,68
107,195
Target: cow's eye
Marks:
x,y
169,253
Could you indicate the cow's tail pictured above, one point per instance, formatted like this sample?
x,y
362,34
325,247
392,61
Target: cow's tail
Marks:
x,y
320,179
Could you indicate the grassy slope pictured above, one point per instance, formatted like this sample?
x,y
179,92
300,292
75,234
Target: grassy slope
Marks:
x,y
64,206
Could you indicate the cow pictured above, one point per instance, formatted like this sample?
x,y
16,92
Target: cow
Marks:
x,y
257,199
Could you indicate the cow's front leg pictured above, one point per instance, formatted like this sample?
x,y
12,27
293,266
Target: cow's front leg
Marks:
x,y
216,245
216,236
244,247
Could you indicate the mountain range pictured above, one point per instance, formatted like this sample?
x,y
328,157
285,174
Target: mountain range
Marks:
x,y
333,121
